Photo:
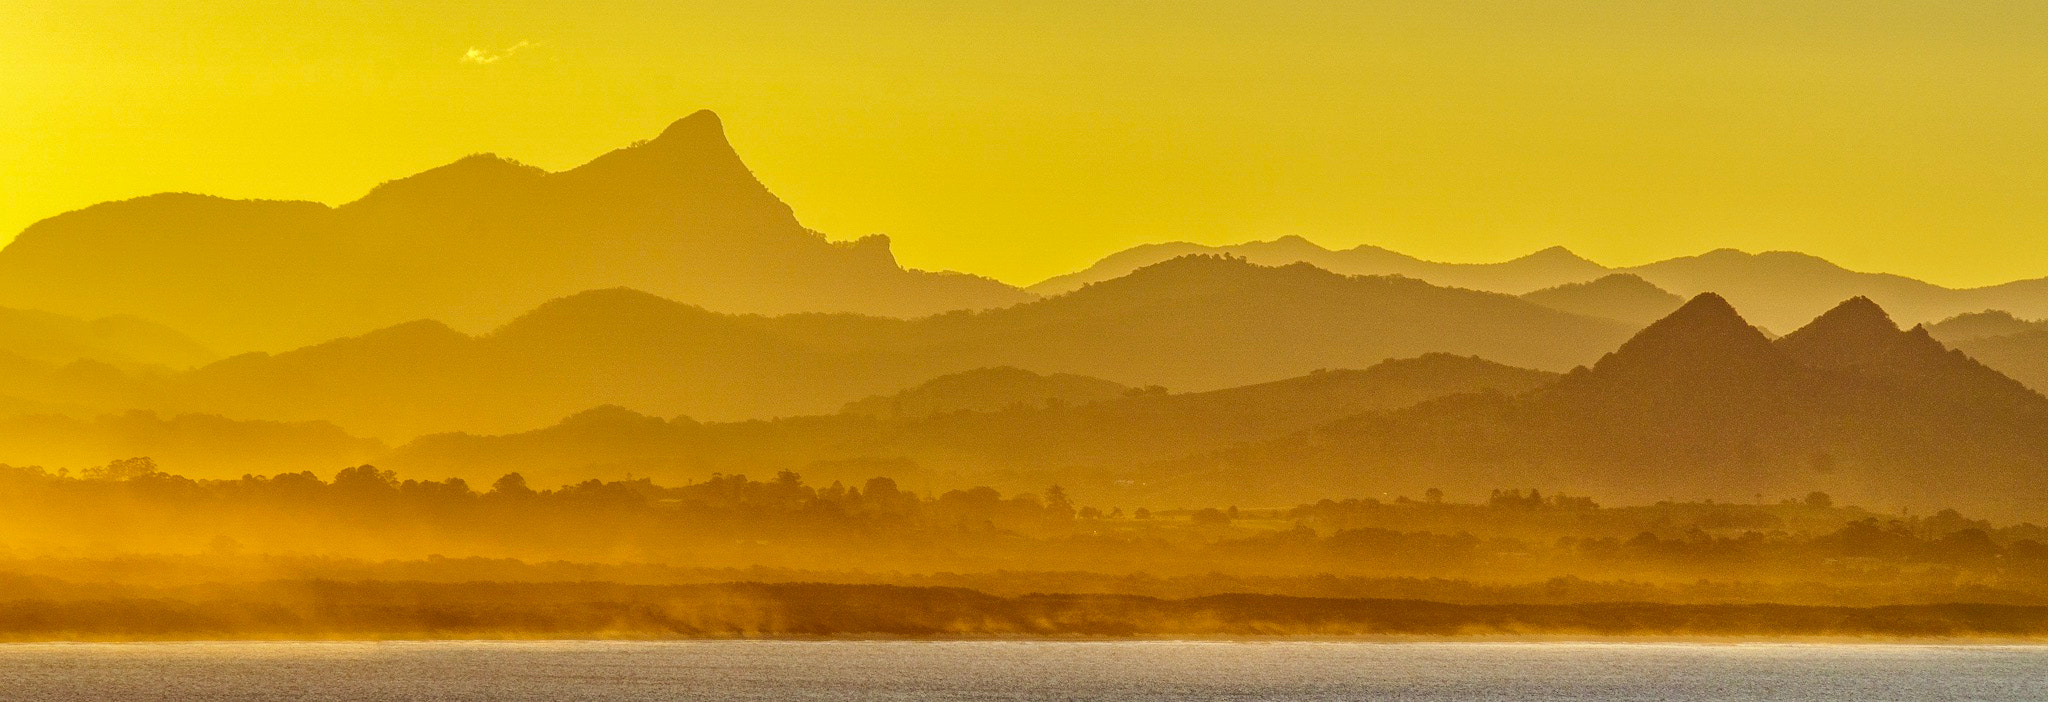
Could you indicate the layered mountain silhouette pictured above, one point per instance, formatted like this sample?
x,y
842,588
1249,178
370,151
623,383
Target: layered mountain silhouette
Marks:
x,y
1021,445
1547,268
2016,347
1622,297
1191,324
472,244
988,390
38,337
1700,403
1778,289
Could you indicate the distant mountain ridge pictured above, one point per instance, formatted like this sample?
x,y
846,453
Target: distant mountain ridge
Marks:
x,y
988,390
1623,297
1700,403
46,338
1191,324
2016,347
471,243
1019,446
1543,269
1778,289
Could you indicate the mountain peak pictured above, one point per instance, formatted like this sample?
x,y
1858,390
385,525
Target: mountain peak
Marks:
x,y
1704,333
693,149
699,127
1857,316
1705,307
1556,254
1855,333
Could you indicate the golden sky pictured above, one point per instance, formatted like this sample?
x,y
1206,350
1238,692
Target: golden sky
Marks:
x,y
1025,139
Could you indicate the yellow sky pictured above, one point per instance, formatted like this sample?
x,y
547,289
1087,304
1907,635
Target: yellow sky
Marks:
x,y
1024,139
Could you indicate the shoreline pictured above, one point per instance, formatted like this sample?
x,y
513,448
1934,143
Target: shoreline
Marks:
x,y
481,611
1564,640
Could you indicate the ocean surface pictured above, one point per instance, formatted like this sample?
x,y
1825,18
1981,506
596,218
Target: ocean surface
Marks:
x,y
891,670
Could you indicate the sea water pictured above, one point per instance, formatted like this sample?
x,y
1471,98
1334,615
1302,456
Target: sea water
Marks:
x,y
1017,670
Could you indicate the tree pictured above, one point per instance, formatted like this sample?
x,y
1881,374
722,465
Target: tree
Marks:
x,y
511,485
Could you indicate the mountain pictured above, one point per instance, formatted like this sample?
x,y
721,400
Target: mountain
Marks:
x,y
1782,289
45,338
1210,322
613,346
1779,289
2016,347
1017,446
987,390
1547,268
471,244
1983,325
1700,403
1621,296
1193,323
2024,355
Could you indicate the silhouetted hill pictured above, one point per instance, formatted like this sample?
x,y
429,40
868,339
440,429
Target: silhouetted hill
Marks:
x,y
1195,323
1778,289
1547,268
1621,297
1698,404
1205,322
2015,347
1980,325
2023,356
987,390
1014,445
55,339
612,346
1782,289
471,243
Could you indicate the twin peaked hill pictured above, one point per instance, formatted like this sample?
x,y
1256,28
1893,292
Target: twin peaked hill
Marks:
x,y
1699,404
472,243
1702,403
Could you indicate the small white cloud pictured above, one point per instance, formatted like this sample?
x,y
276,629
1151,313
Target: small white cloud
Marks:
x,y
484,57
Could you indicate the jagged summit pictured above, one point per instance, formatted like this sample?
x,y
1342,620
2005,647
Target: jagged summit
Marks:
x,y
473,243
697,127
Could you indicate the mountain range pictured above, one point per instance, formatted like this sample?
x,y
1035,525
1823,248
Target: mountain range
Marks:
x,y
1015,444
1190,324
683,320
472,244
2016,347
1778,289
1700,403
